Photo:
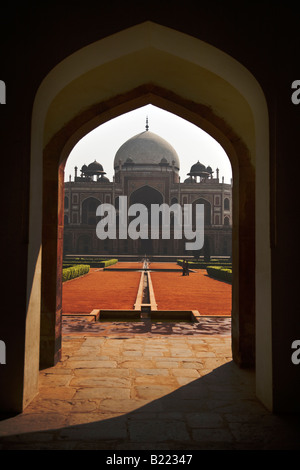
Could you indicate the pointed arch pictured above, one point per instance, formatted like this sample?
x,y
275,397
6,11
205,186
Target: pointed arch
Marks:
x,y
207,210
88,210
146,195
207,80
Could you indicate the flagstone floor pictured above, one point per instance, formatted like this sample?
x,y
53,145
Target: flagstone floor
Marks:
x,y
164,387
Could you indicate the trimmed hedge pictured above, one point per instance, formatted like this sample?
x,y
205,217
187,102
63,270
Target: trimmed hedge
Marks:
x,y
74,271
205,264
91,261
109,262
220,273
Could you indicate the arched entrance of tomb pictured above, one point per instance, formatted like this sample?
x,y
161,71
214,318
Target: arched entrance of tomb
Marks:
x,y
145,195
197,96
207,210
88,211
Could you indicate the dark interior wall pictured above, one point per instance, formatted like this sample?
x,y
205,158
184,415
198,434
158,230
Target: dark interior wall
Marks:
x,y
262,36
285,241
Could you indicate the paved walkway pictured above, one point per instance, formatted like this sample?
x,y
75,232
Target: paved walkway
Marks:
x,y
146,385
169,387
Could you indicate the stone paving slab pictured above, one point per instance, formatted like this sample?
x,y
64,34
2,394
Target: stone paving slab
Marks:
x,y
180,392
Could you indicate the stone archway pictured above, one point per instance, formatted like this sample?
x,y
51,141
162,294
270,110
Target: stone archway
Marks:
x,y
88,211
241,128
146,195
243,308
207,210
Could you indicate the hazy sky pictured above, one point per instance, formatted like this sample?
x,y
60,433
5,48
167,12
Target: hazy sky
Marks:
x,y
190,142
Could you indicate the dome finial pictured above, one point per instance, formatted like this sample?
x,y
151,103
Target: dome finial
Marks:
x,y
147,125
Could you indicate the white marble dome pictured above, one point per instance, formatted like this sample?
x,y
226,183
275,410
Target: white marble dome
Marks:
x,y
147,149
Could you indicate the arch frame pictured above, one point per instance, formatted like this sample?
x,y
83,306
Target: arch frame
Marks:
x,y
248,151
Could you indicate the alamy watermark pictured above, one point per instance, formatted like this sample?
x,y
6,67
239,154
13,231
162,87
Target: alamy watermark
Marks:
x,y
296,354
2,92
2,352
164,219
296,94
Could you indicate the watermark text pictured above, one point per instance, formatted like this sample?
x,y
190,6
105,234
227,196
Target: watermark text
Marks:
x,y
2,92
296,94
2,352
162,220
296,354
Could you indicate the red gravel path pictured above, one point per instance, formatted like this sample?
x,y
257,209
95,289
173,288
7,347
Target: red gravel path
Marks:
x,y
100,290
118,290
164,266
194,292
126,265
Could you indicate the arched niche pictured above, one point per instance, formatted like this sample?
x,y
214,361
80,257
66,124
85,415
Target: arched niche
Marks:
x,y
146,195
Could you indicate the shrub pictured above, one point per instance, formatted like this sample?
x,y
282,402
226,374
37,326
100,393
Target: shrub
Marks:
x,y
109,262
93,262
220,273
74,271
201,264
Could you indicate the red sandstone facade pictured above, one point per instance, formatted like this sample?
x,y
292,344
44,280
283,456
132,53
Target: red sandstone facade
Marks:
x,y
146,171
